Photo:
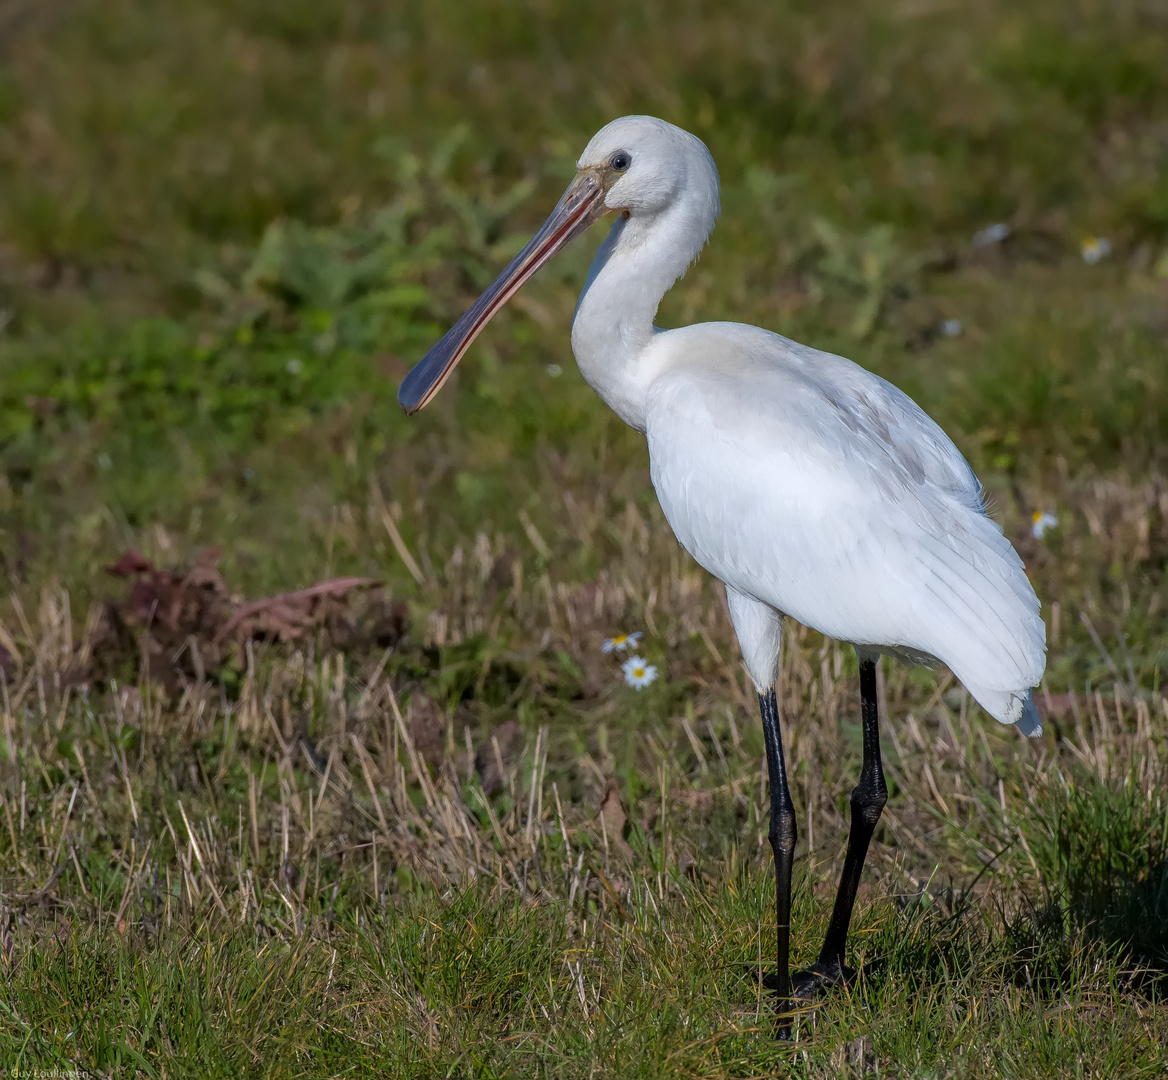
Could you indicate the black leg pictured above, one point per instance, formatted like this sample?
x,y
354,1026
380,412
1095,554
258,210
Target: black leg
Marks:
x,y
868,799
783,834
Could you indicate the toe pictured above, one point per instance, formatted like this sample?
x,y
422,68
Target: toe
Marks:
x,y
819,978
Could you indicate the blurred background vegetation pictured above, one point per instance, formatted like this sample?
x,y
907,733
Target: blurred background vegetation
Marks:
x,y
228,227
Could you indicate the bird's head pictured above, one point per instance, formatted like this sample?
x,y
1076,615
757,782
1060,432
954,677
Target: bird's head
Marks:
x,y
637,166
644,164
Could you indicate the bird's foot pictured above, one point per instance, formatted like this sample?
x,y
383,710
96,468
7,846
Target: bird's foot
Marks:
x,y
769,980
808,983
787,1006
819,978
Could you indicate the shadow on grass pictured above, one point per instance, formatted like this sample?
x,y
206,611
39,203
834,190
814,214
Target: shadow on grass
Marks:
x,y
1103,859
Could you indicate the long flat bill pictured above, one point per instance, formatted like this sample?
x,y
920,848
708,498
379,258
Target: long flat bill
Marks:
x,y
582,204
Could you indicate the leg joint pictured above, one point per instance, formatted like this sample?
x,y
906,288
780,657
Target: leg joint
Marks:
x,y
868,801
784,832
870,815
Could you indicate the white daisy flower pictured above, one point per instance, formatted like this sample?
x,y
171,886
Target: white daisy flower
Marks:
x,y
991,234
638,672
1095,248
621,642
1040,521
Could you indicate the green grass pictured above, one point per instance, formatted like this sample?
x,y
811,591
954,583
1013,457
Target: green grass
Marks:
x,y
226,230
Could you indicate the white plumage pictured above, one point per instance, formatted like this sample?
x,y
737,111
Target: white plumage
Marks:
x,y
810,486
849,510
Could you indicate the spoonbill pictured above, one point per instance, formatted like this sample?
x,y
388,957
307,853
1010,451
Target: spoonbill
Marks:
x,y
809,486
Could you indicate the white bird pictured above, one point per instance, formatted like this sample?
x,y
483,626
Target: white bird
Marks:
x,y
809,486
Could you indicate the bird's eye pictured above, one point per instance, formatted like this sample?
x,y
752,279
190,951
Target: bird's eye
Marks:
x,y
620,161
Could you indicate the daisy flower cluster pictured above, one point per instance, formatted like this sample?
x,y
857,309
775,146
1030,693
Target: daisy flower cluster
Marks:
x,y
638,672
1040,521
1095,248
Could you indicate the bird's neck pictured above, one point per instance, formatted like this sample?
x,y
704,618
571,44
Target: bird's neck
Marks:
x,y
633,269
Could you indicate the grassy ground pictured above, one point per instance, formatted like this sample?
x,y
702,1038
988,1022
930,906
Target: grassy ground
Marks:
x,y
428,830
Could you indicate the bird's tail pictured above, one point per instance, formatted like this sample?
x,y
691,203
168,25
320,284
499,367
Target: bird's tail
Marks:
x,y
1029,723
1010,707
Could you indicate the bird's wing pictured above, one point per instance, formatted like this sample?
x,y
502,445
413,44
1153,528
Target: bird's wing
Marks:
x,y
884,426
819,489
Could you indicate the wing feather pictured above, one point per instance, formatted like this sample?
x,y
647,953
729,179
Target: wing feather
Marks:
x,y
810,484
